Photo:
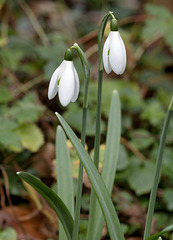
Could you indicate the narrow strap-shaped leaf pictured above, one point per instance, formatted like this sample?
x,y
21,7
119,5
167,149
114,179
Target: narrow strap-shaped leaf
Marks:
x,y
98,185
157,173
111,156
55,202
165,230
64,176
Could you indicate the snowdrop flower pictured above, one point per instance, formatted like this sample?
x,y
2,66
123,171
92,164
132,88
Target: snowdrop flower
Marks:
x,y
114,52
65,81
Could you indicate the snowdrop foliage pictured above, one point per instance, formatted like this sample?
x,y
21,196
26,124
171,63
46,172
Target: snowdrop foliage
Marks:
x,y
65,81
114,52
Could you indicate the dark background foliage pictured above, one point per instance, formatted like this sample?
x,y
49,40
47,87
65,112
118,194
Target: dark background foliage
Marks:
x,y
33,38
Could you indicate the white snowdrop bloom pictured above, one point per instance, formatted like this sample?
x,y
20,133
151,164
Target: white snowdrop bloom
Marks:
x,y
114,52
65,82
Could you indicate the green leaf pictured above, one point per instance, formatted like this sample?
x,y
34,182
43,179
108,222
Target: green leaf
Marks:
x,y
162,219
74,118
11,57
141,177
153,112
25,110
16,51
7,124
5,95
64,176
169,35
8,234
111,156
168,196
10,138
55,202
157,171
48,53
97,184
141,139
157,11
161,24
31,136
123,161
165,230
167,162
129,93
85,202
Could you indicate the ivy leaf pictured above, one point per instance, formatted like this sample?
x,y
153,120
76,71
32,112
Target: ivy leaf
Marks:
x,y
31,136
141,176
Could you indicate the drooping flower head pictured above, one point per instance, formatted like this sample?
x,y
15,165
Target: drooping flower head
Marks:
x,y
65,81
114,52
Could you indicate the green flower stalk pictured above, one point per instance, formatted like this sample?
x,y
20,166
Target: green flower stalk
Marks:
x,y
98,116
65,82
86,68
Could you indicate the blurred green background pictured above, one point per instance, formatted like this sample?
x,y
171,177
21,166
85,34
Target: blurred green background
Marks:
x,y
34,36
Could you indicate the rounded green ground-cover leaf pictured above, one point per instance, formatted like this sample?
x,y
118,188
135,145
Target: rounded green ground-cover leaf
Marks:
x,y
168,196
9,138
8,234
31,136
141,139
5,95
25,110
141,177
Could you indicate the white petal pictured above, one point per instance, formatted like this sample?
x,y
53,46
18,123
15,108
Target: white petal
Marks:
x,y
106,62
125,57
67,84
62,67
117,55
53,85
77,85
